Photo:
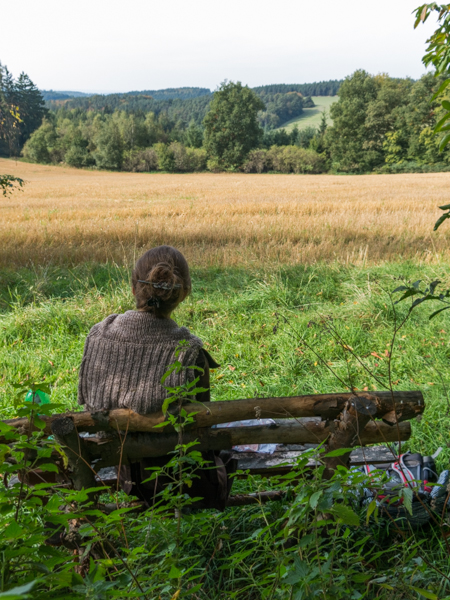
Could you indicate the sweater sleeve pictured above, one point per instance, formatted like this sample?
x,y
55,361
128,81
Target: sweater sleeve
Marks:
x,y
82,374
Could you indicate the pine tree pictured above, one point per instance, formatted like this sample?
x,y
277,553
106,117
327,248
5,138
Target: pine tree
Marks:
x,y
31,104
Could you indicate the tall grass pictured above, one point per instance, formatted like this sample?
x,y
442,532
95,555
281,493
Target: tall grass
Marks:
x,y
47,314
67,217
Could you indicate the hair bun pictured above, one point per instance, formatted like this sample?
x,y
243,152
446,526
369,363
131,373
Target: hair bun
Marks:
x,y
165,282
161,280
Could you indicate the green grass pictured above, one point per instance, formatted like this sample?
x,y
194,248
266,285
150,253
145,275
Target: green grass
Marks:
x,y
311,116
45,314
239,314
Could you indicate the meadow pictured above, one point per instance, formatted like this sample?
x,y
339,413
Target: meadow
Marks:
x,y
289,274
311,117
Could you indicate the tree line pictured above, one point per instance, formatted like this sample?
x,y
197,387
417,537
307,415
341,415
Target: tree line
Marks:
x,y
183,107
378,123
318,88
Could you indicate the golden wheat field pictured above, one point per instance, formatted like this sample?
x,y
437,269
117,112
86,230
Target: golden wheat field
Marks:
x,y
67,216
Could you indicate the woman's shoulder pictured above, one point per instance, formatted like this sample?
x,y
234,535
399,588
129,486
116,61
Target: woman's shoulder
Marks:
x,y
142,328
97,329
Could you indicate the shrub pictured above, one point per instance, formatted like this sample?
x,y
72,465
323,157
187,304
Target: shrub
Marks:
x,y
257,161
195,159
291,159
79,156
166,158
141,160
40,147
176,158
285,159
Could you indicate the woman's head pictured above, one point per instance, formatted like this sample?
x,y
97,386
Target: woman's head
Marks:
x,y
161,280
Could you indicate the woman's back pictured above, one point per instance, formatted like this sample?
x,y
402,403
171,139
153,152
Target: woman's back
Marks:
x,y
125,357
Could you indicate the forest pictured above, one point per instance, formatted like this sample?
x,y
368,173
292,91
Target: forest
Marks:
x,y
378,124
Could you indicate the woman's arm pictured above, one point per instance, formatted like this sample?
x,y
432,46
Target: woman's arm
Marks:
x,y
205,361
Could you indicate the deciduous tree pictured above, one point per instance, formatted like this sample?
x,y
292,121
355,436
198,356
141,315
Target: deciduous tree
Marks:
x,y
231,125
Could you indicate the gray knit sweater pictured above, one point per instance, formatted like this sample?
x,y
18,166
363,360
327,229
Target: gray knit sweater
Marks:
x,y
125,357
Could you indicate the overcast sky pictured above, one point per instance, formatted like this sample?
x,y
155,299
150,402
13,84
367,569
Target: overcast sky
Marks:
x,y
118,45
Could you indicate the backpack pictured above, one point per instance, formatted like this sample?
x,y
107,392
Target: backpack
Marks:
x,y
419,473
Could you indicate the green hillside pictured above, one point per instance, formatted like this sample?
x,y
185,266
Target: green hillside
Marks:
x,y
311,116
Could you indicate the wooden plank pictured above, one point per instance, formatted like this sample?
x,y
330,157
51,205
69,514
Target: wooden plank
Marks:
x,y
137,446
281,461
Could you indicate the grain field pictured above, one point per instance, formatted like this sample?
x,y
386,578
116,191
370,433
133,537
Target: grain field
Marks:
x,y
66,216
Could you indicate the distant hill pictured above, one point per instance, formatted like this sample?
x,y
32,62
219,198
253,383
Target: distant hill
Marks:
x,y
318,88
59,95
284,102
184,93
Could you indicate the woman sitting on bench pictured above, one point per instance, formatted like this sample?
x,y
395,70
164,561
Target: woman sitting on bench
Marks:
x,y
126,355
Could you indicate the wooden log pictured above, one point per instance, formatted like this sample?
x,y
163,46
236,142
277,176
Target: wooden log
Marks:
x,y
347,432
82,474
141,445
407,405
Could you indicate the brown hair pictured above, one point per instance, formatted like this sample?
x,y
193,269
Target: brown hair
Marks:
x,y
161,280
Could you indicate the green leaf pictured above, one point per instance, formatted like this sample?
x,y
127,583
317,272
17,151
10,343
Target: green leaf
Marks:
x,y
22,591
174,573
315,499
370,509
346,514
337,452
436,312
439,222
441,122
441,89
49,467
425,593
445,140
446,105
407,499
14,530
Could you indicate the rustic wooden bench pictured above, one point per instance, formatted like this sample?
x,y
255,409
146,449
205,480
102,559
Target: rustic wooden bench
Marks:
x,y
300,422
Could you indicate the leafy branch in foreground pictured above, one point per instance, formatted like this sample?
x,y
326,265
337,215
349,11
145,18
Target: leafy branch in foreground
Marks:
x,y
438,55
424,295
9,182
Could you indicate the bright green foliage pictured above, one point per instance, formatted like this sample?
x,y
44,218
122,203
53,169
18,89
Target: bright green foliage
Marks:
x,y
42,145
193,136
109,147
438,55
231,126
362,117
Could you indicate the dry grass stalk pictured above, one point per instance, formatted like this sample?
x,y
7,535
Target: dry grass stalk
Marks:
x,y
69,216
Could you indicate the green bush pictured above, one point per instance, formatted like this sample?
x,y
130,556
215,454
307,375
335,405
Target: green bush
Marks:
x,y
42,145
140,161
285,159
